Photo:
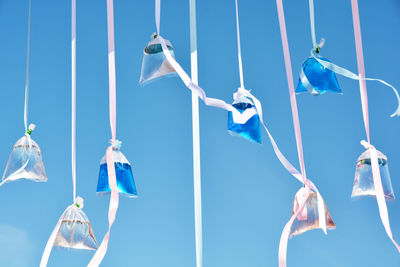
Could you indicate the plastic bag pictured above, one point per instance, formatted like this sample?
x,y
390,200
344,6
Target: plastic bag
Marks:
x,y
363,180
316,79
123,173
249,130
155,65
25,161
308,218
75,230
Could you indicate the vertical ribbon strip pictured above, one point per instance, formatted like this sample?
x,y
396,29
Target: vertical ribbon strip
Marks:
x,y
383,212
114,199
53,235
196,137
239,48
296,123
73,96
27,69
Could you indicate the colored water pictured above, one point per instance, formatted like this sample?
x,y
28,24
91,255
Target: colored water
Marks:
x,y
322,79
125,181
250,130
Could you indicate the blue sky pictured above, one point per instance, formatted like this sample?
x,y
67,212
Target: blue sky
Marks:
x,y
247,194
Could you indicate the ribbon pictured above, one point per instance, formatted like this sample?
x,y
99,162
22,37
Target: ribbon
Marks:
x,y
27,69
112,180
383,212
296,123
196,137
239,47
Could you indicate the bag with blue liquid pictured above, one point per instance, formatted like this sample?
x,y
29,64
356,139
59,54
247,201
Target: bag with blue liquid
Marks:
x,y
123,172
308,218
251,128
316,78
155,65
363,180
75,229
25,161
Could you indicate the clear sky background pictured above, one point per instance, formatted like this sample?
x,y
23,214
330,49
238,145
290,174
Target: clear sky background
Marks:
x,y
247,194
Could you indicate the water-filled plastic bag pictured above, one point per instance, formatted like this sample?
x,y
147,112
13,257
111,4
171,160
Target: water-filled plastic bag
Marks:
x,y
75,230
251,128
308,218
316,79
363,180
155,65
123,173
25,162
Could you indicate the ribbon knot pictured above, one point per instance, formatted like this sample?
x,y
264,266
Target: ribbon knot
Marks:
x,y
366,144
116,144
79,202
318,47
31,128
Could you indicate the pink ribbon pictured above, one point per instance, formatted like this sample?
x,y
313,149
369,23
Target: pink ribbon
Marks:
x,y
380,197
296,123
114,199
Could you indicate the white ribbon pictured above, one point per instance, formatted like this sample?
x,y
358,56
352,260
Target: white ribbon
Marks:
x,y
27,69
196,138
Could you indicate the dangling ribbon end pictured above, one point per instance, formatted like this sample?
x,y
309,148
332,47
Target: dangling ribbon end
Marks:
x,y
365,144
396,113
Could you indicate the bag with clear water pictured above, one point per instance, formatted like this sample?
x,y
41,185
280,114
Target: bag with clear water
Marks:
x,y
155,65
363,180
25,161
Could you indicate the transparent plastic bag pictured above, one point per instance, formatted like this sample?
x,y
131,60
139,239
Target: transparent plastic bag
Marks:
x,y
123,172
155,65
308,218
363,180
249,130
320,79
25,161
75,230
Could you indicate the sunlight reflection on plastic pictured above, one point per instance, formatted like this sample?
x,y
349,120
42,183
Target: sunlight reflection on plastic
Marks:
x,y
25,161
155,65
317,79
308,218
123,173
363,180
249,130
75,230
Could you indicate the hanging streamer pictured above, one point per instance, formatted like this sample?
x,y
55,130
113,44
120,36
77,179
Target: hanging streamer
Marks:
x,y
380,196
196,133
114,198
296,123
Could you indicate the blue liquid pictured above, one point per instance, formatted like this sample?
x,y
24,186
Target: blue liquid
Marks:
x,y
125,181
250,130
322,79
